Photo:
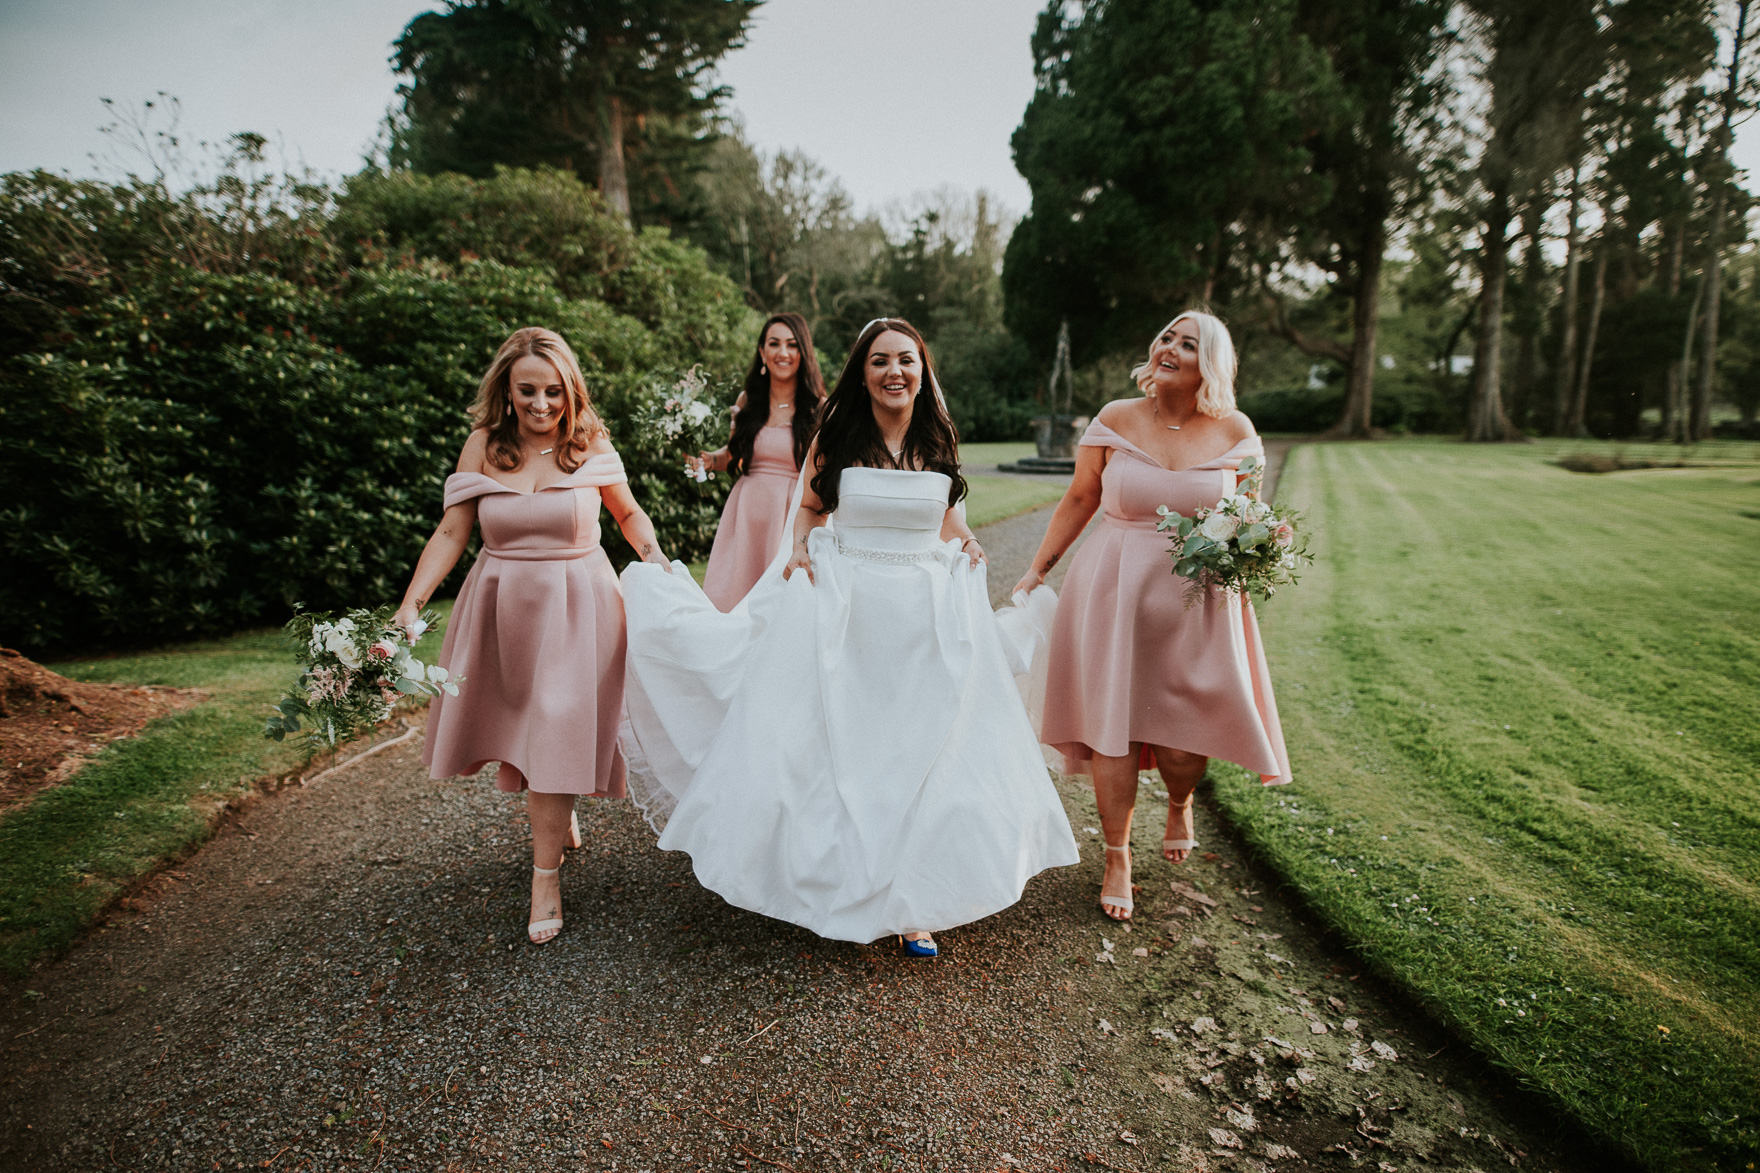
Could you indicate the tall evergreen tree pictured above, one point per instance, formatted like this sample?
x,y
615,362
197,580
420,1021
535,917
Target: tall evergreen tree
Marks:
x,y
586,85
1382,52
1538,60
1167,149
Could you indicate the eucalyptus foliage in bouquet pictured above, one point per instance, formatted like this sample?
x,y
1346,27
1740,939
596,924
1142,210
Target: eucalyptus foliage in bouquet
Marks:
x,y
355,669
688,415
1240,544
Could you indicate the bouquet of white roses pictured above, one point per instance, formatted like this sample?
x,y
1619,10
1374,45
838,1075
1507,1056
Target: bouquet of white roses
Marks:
x,y
1240,544
687,415
355,669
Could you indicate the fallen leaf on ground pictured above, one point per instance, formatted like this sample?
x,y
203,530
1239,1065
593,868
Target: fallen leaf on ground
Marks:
x,y
1190,893
1223,1138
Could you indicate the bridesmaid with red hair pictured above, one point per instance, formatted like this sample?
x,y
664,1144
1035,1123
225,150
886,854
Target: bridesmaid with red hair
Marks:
x,y
773,423
1139,673
538,629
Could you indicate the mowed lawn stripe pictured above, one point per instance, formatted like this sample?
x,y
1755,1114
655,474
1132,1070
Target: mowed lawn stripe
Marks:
x,y
1524,723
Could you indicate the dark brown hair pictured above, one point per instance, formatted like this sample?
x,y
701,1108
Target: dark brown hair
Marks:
x,y
849,435
809,394
579,423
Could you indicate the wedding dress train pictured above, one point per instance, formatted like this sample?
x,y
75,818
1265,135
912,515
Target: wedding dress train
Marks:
x,y
849,754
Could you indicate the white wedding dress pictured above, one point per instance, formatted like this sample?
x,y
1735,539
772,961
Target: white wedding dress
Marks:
x,y
850,754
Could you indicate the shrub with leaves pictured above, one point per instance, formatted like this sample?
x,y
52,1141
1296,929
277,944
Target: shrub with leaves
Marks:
x,y
212,405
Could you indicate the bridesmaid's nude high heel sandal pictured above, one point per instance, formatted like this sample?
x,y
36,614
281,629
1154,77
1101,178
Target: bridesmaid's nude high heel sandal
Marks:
x,y
1124,904
552,926
574,831
1169,846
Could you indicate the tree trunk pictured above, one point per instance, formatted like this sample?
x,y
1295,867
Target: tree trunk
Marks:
x,y
1359,384
1566,374
613,179
1711,282
1580,404
1698,423
1683,429
1520,405
1485,418
1672,417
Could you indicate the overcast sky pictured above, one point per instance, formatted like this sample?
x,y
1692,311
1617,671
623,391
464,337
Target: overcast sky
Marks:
x,y
892,96
952,75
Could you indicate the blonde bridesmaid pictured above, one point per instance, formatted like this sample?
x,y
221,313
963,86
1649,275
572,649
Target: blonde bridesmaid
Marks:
x,y
1136,676
537,632
773,423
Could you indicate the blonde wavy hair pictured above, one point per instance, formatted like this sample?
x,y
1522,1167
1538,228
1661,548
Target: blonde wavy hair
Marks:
x,y
579,423
1216,363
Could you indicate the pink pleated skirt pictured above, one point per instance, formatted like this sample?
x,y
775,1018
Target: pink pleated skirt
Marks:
x,y
540,643
1131,662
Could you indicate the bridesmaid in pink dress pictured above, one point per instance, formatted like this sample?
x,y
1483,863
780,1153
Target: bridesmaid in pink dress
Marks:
x,y
1135,674
773,423
537,632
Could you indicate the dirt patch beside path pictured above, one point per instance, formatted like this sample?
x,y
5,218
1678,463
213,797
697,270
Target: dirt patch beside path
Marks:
x,y
50,726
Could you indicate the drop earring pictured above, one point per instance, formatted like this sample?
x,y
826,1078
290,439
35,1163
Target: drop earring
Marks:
x,y
762,369
510,409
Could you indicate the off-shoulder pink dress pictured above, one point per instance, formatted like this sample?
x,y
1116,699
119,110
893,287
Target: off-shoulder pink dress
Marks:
x,y
755,520
538,635
1129,660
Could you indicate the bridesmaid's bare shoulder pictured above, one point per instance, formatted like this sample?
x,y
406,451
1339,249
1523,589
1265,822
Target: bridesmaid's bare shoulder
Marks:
x,y
1237,426
475,452
1122,411
600,444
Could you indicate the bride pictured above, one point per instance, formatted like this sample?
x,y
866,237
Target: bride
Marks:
x,y
847,749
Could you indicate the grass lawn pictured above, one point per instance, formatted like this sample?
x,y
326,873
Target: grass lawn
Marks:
x,y
1523,708
147,799
978,459
992,499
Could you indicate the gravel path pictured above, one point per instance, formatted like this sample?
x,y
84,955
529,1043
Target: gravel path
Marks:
x,y
341,980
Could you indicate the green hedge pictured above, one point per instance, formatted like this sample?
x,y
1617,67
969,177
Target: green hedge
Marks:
x,y
210,411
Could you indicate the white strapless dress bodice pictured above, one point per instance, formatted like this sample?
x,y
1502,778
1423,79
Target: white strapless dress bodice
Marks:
x,y
850,754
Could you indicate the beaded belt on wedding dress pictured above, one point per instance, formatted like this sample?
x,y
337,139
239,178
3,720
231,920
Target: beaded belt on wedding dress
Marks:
x,y
868,555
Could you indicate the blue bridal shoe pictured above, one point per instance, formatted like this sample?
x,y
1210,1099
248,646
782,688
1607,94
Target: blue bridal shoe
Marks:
x,y
920,948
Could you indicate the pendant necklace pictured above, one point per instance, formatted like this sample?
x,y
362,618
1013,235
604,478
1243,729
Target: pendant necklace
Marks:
x,y
546,452
1169,427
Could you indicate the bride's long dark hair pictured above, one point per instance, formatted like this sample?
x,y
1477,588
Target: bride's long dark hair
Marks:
x,y
849,435
809,393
